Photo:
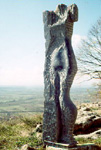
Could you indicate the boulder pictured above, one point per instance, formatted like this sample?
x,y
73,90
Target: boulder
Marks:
x,y
94,135
87,121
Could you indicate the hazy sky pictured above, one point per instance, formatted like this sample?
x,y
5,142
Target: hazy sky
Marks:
x,y
22,41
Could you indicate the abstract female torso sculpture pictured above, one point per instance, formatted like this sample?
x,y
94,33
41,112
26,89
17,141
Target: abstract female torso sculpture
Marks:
x,y
60,68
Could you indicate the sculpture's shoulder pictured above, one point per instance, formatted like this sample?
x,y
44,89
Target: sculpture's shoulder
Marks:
x,y
50,17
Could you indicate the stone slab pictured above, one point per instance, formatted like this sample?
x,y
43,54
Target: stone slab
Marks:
x,y
59,146
83,147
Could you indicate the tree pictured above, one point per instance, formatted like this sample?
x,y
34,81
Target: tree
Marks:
x,y
90,53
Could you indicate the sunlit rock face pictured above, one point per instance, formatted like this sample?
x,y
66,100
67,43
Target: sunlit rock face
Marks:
x,y
60,68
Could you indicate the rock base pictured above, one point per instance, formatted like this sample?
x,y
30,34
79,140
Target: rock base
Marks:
x,y
59,146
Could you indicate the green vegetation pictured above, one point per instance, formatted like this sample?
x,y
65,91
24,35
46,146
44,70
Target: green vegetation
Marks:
x,y
83,141
19,131
32,121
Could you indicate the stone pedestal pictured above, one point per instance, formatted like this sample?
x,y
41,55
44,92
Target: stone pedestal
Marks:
x,y
59,146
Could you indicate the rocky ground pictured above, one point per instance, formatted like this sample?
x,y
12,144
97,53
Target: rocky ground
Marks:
x,y
24,132
88,123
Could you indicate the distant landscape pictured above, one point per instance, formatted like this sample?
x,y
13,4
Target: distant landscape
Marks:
x,y
31,99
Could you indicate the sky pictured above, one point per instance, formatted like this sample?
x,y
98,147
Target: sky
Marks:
x,y
22,43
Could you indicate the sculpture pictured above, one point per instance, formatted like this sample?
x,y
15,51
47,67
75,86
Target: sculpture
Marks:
x,y
60,68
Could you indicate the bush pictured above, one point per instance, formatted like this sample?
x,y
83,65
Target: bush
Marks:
x,y
32,121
